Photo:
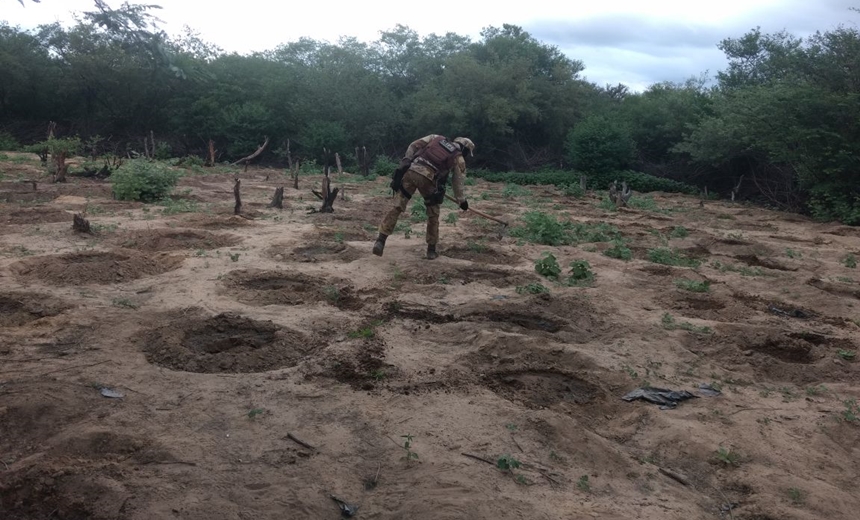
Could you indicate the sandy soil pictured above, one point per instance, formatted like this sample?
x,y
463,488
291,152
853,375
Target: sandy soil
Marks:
x,y
232,339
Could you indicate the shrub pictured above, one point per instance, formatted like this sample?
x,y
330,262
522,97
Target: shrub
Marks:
x,y
599,144
619,250
383,166
580,273
142,180
547,266
8,143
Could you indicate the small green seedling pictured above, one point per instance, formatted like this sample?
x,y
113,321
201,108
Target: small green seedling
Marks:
x,y
407,445
583,483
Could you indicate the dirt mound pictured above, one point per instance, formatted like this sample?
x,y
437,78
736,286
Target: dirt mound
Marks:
x,y
34,412
704,306
543,388
482,255
226,342
756,261
314,251
39,215
259,287
17,309
214,221
802,358
95,267
851,290
173,240
25,197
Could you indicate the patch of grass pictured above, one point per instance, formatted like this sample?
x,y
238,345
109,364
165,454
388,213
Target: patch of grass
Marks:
x,y
378,374
541,228
173,206
419,210
582,484
693,285
791,253
332,293
742,270
338,237
666,256
619,250
669,323
572,190
851,413
102,229
514,190
816,390
847,355
726,216
477,247
252,414
125,303
532,288
679,232
645,204
850,261
365,333
728,456
452,218
795,495
507,463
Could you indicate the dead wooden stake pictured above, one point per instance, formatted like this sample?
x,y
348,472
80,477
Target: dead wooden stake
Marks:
x,y
737,188
482,459
289,157
340,176
295,173
80,224
211,160
238,208
582,183
675,476
278,199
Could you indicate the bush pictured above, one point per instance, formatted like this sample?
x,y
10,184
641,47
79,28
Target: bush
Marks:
x,y
383,166
566,180
547,266
541,228
8,143
599,144
619,250
142,180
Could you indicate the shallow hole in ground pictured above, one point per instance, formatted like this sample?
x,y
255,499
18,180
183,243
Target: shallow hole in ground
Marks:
x,y
542,388
756,261
226,342
39,215
95,267
259,287
524,320
17,309
787,349
499,278
44,494
314,251
171,240
481,254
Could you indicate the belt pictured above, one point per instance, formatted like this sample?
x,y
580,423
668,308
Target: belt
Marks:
x,y
426,163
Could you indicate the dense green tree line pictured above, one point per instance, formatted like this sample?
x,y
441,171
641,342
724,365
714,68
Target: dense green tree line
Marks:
x,y
784,114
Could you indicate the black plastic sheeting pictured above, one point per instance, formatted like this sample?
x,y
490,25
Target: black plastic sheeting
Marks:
x,y
668,399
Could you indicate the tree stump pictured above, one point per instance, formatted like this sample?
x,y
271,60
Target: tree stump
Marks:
x,y
295,174
328,196
278,199
237,209
81,225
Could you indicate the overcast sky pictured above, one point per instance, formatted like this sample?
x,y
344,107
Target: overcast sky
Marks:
x,y
619,41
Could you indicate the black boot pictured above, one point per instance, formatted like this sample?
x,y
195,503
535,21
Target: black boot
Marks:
x,y
379,245
431,252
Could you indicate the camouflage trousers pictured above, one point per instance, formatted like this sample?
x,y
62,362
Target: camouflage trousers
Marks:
x,y
413,182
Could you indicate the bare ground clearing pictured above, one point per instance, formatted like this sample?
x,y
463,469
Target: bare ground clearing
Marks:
x,y
268,363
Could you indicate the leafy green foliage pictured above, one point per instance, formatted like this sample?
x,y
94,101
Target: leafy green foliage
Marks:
x,y
694,285
679,232
580,273
547,266
143,180
599,144
383,167
541,228
532,288
8,143
666,256
619,250
850,261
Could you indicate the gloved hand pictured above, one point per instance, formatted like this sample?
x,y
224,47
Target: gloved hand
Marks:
x,y
464,205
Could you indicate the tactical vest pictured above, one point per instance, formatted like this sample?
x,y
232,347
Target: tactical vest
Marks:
x,y
441,153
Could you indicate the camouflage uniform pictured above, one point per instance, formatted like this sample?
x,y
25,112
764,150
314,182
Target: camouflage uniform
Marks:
x,y
420,177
